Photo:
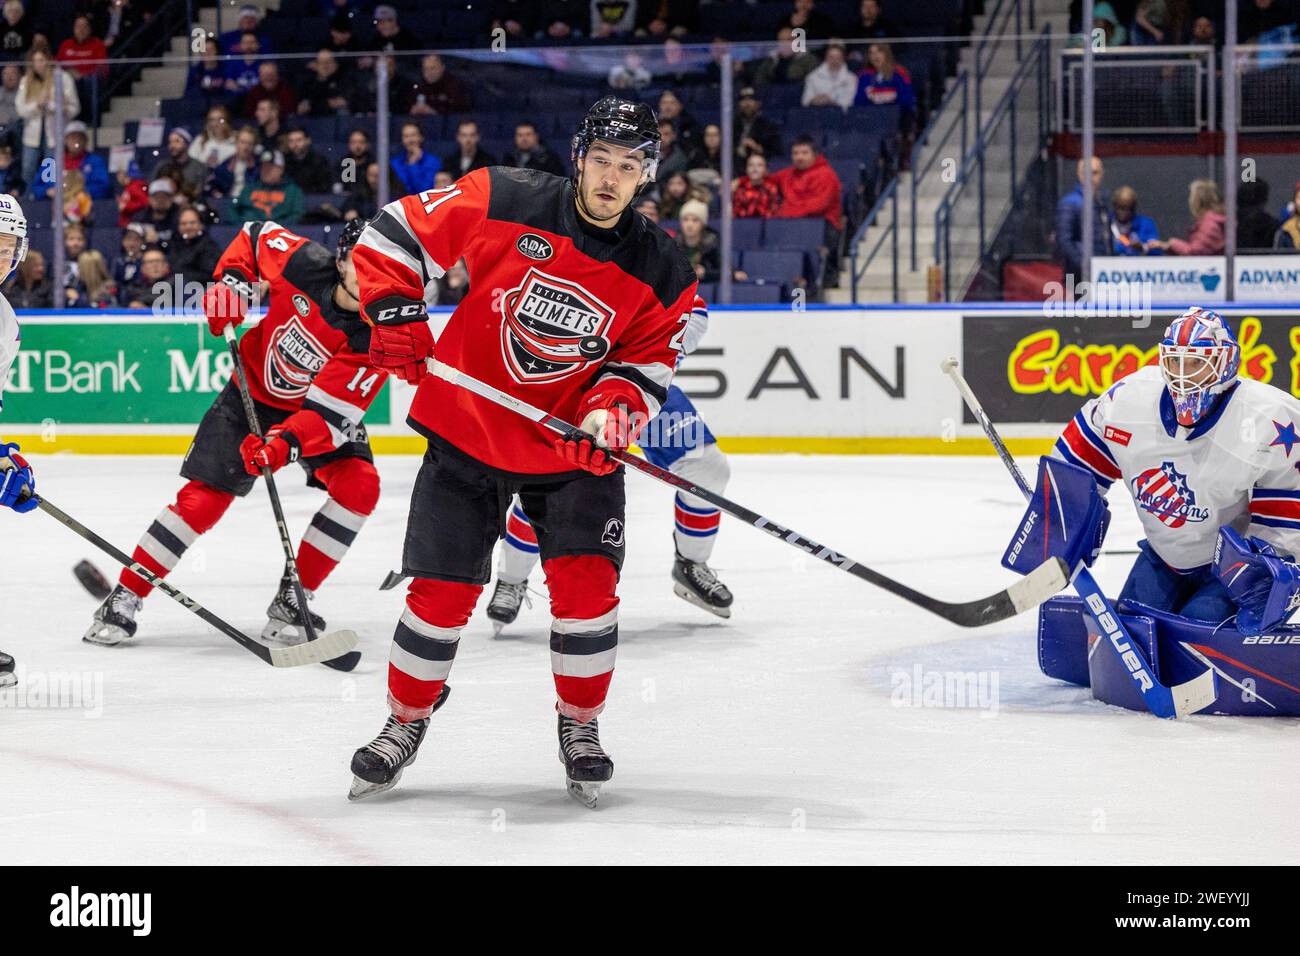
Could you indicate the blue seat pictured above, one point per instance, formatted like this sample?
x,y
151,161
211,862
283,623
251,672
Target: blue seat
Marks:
x,y
755,293
778,265
802,234
747,233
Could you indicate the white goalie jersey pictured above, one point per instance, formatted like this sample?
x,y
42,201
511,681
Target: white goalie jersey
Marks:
x,y
1238,466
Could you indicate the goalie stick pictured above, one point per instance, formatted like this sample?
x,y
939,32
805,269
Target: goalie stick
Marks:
x,y
1033,589
348,661
1177,701
321,649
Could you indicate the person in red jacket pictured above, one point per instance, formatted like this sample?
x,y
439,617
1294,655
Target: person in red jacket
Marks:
x,y
810,187
83,49
577,304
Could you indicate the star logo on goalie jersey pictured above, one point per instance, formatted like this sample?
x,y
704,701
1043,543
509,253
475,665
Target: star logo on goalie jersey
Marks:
x,y
1286,436
1164,492
552,328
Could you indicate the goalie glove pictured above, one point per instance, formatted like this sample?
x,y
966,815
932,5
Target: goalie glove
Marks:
x,y
1264,584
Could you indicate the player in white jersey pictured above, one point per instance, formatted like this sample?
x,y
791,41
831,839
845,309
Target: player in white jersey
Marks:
x,y
16,478
676,439
1212,463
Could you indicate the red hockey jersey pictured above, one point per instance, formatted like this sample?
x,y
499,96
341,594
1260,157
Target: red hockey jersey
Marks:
x,y
306,353
550,310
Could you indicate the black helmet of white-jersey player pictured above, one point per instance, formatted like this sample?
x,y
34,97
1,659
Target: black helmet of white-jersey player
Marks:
x,y
12,223
615,155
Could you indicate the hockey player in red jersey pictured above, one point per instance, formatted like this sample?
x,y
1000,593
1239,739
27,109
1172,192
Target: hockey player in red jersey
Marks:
x,y
577,305
309,373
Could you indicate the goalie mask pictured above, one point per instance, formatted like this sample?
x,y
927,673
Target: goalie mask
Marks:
x,y
1199,359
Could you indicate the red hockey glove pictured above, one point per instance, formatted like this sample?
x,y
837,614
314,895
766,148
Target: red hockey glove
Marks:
x,y
603,428
402,349
280,447
223,306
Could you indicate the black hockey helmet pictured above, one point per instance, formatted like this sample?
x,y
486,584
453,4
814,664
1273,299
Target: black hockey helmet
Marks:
x,y
348,236
628,123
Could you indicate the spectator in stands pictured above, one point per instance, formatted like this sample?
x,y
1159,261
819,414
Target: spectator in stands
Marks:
x,y
207,77
359,149
11,180
872,24
270,130
675,192
242,70
469,154
436,91
1131,232
270,87
228,178
150,283
77,156
363,196
673,157
675,67
454,284
1266,21
390,35
1069,222
832,83
754,195
1105,19
122,21
517,17
78,207
719,47
809,187
805,16
631,74
326,90
250,21
1204,32
1256,226
159,217
885,82
343,41
304,165
179,166
612,18
415,168
270,195
133,193
442,179
706,162
648,206
75,241
1288,234
192,253
365,83
1157,22
10,76
29,287
94,288
35,103
81,47
216,143
16,31
672,108
1208,235
563,19
752,132
699,243
785,64
126,265
531,153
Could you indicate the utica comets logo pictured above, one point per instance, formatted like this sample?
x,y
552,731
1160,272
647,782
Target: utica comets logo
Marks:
x,y
293,357
552,328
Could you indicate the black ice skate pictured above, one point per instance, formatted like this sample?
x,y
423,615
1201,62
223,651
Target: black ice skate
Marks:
x,y
505,603
7,676
115,620
696,583
284,621
586,765
378,765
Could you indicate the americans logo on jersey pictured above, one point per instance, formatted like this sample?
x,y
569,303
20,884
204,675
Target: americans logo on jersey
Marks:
x,y
293,357
552,328
1163,492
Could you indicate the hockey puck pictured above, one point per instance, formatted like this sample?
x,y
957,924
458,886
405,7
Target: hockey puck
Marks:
x,y
93,580
592,347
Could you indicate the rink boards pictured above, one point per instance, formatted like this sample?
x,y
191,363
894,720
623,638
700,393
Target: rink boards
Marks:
x,y
825,379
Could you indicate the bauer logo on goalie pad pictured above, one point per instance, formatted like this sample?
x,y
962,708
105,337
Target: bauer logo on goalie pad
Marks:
x,y
552,328
293,357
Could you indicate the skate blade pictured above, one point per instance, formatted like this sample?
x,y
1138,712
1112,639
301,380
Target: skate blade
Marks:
x,y
105,636
361,789
497,628
690,597
586,793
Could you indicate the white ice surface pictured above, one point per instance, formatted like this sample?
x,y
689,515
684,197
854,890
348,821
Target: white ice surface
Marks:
x,y
774,737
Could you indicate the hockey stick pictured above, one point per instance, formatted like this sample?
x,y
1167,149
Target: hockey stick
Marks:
x,y
325,648
1033,589
1177,701
348,661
